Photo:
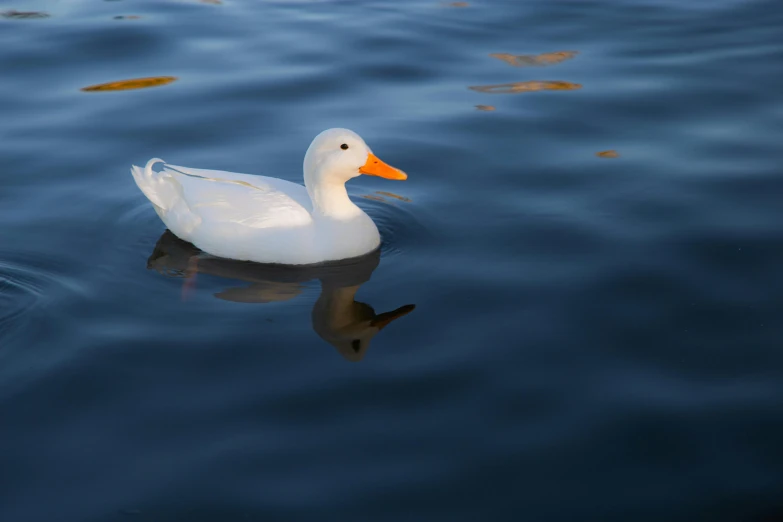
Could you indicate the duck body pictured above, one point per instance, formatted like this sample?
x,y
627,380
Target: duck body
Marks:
x,y
270,220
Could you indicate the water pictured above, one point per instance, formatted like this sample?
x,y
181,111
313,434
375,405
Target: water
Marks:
x,y
593,338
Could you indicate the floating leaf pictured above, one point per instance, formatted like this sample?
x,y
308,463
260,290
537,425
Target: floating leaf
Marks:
x,y
607,154
528,60
458,4
485,107
535,85
24,14
136,83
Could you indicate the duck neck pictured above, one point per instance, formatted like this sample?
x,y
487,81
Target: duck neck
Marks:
x,y
330,200
336,305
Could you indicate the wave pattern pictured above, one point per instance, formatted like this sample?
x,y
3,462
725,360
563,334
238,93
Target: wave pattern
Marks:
x,y
591,234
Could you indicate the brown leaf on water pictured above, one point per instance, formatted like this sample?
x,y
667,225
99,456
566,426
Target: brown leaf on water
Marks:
x,y
530,86
457,4
485,107
24,14
607,154
533,60
136,83
214,2
555,57
393,195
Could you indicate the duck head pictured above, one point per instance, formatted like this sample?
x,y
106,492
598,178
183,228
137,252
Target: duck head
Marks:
x,y
337,155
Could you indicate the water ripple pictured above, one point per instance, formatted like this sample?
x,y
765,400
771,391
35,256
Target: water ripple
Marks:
x,y
22,290
397,220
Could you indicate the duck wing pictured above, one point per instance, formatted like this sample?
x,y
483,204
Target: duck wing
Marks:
x,y
188,199
253,201
263,183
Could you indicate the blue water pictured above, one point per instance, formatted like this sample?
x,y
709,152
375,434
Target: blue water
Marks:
x,y
593,338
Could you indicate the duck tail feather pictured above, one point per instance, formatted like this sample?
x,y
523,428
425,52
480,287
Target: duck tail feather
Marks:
x,y
151,183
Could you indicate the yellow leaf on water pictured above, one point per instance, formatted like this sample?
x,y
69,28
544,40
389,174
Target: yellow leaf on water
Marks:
x,y
136,83
607,154
555,57
527,60
530,86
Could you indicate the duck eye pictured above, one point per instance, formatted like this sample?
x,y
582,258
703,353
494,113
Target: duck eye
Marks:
x,y
344,146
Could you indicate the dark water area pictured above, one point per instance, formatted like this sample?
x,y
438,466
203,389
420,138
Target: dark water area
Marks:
x,y
576,312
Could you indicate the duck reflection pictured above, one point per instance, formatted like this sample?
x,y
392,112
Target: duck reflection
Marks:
x,y
337,317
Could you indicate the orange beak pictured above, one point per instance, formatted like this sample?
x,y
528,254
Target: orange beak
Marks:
x,y
381,321
375,167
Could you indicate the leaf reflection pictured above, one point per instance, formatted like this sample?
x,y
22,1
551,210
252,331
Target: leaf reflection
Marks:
x,y
125,85
382,195
530,86
533,60
393,195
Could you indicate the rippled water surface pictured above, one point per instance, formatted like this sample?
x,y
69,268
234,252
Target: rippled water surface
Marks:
x,y
576,313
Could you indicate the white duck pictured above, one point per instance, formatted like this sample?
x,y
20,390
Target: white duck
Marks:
x,y
270,220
